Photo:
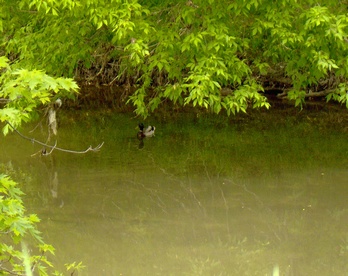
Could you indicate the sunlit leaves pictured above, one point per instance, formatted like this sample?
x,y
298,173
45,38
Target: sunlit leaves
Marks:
x,y
17,226
24,90
337,30
192,40
9,188
340,95
324,63
13,220
10,114
59,44
261,67
47,248
3,62
298,96
74,266
241,6
207,52
138,100
316,16
186,49
138,50
245,95
173,92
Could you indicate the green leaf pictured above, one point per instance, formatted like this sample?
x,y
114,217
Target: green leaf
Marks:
x,y
3,61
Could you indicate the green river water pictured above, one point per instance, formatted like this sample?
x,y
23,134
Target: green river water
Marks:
x,y
206,196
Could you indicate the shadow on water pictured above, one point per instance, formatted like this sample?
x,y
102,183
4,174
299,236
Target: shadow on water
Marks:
x,y
203,197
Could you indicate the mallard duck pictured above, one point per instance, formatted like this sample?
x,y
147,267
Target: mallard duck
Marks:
x,y
144,133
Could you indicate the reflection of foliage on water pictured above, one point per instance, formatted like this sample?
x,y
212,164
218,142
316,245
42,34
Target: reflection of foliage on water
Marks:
x,y
344,246
235,199
205,267
16,173
48,177
280,229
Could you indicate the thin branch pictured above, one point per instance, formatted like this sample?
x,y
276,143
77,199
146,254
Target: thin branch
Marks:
x,y
3,100
322,93
3,269
90,148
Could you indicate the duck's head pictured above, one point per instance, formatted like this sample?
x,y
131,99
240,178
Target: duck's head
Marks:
x,y
140,133
141,126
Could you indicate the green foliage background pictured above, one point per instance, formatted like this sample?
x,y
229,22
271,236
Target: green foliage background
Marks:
x,y
186,51
24,91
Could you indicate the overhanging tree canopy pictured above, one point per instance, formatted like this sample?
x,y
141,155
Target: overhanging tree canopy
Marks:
x,y
219,54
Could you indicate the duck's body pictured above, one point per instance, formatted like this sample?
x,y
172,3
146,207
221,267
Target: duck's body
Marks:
x,y
145,133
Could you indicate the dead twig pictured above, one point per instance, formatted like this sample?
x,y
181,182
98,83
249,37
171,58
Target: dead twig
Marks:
x,y
90,148
309,94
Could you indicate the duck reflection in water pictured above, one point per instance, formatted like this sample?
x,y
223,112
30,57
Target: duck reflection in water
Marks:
x,y
145,133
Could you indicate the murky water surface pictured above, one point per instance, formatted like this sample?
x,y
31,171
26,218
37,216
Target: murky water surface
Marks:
x,y
199,198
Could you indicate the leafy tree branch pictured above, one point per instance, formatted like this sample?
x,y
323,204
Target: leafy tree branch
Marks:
x,y
189,51
15,227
